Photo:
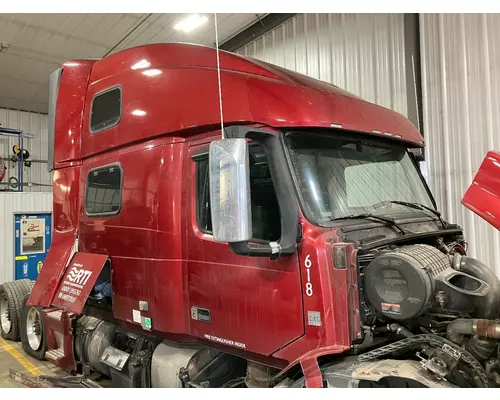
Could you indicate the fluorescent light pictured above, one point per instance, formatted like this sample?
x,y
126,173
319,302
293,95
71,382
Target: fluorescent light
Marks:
x,y
71,64
141,64
151,72
190,23
139,113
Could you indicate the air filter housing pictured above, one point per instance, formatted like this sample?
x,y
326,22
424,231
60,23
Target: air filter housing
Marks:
x,y
400,283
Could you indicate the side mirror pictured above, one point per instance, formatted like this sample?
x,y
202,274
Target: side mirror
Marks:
x,y
230,190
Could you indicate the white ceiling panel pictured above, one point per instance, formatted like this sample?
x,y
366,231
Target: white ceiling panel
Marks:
x,y
38,43
159,28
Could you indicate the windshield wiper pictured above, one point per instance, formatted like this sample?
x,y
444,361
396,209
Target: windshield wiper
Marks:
x,y
419,206
388,220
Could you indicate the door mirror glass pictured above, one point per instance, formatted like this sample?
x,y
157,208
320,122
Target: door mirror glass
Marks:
x,y
230,190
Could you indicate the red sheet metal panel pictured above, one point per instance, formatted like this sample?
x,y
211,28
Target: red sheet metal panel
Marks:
x,y
483,196
77,283
53,268
66,204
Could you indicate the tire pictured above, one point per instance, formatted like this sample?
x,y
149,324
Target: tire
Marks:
x,y
33,338
11,298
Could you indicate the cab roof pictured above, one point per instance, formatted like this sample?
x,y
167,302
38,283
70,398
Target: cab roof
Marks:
x,y
175,87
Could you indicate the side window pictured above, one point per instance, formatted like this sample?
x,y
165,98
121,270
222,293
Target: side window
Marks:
x,y
106,110
266,219
204,215
104,191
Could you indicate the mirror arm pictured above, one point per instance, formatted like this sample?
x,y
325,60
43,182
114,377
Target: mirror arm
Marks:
x,y
241,131
272,250
253,250
283,183
282,179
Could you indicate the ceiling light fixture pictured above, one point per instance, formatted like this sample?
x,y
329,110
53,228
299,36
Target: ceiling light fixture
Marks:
x,y
190,23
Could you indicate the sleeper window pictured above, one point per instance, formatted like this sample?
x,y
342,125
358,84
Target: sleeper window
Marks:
x,y
266,219
104,191
106,110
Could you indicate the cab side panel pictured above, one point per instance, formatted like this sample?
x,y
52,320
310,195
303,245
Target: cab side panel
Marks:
x,y
169,279
138,244
254,303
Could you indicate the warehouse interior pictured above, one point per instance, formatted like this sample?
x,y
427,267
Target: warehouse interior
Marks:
x,y
440,71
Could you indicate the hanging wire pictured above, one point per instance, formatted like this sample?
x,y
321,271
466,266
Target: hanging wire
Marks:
x,y
218,77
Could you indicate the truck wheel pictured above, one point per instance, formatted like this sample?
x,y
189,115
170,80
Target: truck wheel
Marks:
x,y
11,297
32,331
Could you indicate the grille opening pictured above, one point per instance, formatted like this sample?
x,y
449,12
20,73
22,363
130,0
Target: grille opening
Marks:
x,y
366,312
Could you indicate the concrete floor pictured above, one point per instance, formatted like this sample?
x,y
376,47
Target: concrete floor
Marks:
x,y
14,357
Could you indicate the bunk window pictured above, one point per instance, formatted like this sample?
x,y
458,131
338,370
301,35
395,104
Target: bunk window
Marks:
x,y
106,110
104,191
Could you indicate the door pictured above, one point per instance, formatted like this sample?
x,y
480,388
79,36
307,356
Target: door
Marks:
x,y
251,303
33,233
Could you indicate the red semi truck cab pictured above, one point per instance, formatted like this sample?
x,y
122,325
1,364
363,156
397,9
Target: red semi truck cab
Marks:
x,y
301,232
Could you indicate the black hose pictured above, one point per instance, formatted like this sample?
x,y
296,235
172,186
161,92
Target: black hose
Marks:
x,y
490,304
400,330
395,328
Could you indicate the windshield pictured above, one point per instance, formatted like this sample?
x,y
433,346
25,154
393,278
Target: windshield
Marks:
x,y
340,176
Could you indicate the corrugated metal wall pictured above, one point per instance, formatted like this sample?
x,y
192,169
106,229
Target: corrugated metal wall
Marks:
x,y
361,53
11,203
365,54
36,178
460,57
